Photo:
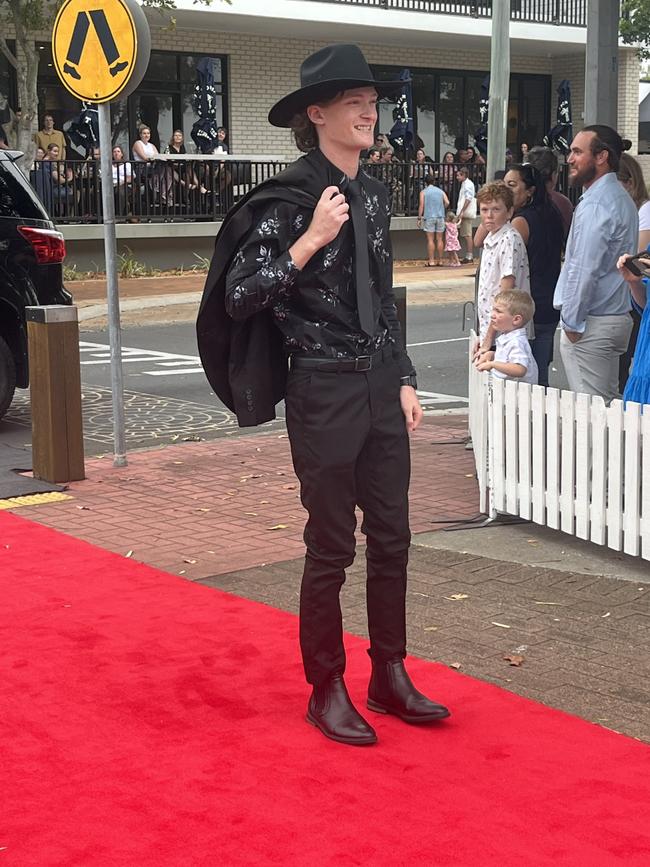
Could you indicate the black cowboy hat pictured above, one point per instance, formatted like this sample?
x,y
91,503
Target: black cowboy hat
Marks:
x,y
323,75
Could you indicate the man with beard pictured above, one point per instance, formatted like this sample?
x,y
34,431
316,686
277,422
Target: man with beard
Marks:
x,y
591,294
305,264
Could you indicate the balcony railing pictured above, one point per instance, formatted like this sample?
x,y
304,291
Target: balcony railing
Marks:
x,y
188,190
561,12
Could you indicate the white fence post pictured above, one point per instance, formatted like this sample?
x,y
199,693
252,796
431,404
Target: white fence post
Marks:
x,y
563,460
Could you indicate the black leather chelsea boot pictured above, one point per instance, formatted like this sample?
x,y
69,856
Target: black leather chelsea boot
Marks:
x,y
331,711
391,691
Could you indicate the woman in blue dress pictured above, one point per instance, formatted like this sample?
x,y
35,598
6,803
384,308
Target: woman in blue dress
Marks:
x,y
637,388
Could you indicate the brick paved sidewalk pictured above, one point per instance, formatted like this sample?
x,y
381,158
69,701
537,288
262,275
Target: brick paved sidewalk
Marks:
x,y
202,508
228,513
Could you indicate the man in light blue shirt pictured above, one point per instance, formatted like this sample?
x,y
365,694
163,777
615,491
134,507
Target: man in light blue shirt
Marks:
x,y
591,294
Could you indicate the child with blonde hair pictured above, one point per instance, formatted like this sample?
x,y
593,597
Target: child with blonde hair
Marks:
x,y
504,263
452,244
513,358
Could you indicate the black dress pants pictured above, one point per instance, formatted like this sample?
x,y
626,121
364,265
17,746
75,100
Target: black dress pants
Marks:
x,y
350,447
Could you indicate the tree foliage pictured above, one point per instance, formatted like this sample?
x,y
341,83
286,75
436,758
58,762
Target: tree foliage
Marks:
x,y
635,25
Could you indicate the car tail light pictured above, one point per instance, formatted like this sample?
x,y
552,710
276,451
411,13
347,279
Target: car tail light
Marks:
x,y
47,244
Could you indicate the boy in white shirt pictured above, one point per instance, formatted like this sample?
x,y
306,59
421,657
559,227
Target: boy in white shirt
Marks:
x,y
512,310
504,263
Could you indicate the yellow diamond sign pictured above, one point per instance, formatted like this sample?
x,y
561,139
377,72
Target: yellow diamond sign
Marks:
x,y
100,47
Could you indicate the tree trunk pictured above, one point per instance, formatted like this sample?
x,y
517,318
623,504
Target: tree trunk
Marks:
x,y
27,80
25,16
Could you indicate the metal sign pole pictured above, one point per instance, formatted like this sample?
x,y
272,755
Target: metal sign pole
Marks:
x,y
499,87
112,290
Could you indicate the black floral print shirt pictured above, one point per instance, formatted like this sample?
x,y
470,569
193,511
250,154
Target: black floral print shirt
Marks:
x,y
316,308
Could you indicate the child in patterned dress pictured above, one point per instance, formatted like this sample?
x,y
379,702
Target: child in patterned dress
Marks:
x,y
452,244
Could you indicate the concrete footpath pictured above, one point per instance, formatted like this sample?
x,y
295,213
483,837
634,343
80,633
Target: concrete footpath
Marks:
x,y
532,610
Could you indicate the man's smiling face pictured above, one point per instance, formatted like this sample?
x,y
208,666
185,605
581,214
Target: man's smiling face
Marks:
x,y
348,121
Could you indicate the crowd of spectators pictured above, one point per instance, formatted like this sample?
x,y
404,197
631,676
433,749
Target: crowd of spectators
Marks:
x,y
525,226
143,184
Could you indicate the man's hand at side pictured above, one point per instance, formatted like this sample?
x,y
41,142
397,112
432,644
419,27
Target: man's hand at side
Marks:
x,y
573,336
410,407
331,212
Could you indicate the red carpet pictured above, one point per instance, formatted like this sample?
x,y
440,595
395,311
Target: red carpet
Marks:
x,y
149,721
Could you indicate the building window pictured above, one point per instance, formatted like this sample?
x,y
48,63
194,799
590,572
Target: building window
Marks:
x,y
163,99
446,108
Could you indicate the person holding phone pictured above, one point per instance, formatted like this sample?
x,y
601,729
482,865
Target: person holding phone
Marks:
x,y
636,271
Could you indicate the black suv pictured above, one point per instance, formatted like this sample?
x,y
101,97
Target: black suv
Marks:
x,y
31,270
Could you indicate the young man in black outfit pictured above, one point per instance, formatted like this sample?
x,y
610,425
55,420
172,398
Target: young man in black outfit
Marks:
x,y
309,255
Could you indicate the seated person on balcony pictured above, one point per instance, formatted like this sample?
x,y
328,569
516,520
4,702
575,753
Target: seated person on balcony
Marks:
x,y
60,177
420,168
48,135
122,176
391,178
221,147
513,359
185,173
504,264
88,185
145,151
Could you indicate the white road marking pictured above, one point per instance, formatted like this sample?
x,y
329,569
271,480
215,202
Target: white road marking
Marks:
x,y
96,353
429,398
432,342
175,364
173,372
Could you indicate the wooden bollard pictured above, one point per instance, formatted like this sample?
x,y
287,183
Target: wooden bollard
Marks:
x,y
55,391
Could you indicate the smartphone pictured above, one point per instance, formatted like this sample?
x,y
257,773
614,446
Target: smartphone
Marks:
x,y
633,268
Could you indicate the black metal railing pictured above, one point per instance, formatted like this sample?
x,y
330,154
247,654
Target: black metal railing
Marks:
x,y
147,192
189,190
567,12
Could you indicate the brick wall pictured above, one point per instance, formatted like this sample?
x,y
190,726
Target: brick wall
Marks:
x,y
628,96
572,67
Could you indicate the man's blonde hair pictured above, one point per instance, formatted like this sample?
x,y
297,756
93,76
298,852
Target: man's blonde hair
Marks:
x,y
517,303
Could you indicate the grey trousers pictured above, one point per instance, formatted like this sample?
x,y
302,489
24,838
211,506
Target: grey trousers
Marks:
x,y
591,364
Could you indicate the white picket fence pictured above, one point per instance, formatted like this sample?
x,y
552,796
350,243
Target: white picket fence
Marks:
x,y
563,460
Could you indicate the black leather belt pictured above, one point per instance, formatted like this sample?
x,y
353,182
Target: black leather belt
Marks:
x,y
361,364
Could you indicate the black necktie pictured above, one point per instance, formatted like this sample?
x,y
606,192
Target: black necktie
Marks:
x,y
361,263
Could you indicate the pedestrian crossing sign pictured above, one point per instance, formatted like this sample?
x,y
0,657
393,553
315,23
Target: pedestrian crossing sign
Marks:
x,y
100,47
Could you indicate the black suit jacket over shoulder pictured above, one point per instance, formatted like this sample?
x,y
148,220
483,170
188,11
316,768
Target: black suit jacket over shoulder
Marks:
x,y
245,362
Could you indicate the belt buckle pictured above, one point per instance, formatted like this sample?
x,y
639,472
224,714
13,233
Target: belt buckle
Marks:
x,y
361,368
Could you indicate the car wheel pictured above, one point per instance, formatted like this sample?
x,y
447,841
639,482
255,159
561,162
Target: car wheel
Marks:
x,y
7,377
